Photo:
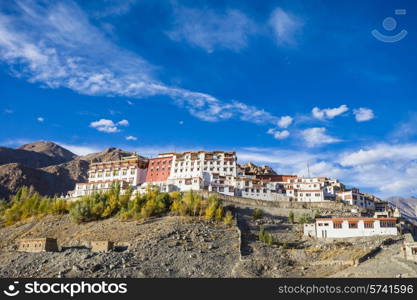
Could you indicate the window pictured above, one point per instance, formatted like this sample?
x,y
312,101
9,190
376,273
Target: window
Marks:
x,y
369,224
337,225
387,224
116,173
353,225
132,171
124,172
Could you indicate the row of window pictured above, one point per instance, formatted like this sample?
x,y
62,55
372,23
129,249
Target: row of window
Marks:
x,y
110,173
309,194
205,169
367,224
221,189
100,185
177,164
159,162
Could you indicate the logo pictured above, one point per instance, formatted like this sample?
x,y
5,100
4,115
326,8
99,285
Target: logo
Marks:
x,y
390,24
12,291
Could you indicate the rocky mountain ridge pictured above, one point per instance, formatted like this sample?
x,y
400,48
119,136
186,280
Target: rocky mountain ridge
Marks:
x,y
49,168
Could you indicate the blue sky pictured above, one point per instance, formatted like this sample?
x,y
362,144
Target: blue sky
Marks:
x,y
284,83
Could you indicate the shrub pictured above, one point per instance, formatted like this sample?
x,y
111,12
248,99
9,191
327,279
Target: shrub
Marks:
x,y
265,237
213,210
59,207
304,218
257,214
291,217
228,218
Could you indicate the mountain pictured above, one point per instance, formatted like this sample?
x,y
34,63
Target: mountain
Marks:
x,y
36,155
15,175
56,152
407,206
49,168
252,169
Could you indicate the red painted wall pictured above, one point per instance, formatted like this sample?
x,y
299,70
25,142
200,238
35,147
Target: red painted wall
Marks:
x,y
159,169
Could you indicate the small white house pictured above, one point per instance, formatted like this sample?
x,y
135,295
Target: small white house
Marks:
x,y
350,227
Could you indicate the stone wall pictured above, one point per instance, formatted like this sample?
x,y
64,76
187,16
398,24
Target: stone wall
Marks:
x,y
330,205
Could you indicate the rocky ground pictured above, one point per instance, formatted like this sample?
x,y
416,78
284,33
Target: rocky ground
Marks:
x,y
190,247
164,247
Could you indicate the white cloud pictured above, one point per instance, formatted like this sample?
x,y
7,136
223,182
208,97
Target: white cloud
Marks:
x,y
363,114
398,153
285,26
285,121
55,45
131,138
279,135
108,126
329,113
209,30
8,111
317,136
123,123
40,119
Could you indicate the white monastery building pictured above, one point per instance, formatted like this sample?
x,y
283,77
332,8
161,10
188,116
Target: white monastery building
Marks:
x,y
350,227
129,171
216,171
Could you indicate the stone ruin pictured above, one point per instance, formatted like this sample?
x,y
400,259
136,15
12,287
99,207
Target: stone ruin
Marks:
x,y
409,248
102,246
38,245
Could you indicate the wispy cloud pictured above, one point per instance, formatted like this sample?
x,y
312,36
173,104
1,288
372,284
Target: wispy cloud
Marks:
x,y
40,119
329,113
317,136
113,8
363,114
131,138
54,44
285,121
406,129
285,26
279,135
210,30
108,126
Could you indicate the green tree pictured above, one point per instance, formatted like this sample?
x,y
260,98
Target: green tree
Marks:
x,y
257,214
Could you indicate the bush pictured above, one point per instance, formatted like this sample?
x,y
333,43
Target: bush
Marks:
x,y
304,218
291,217
59,207
265,237
26,204
257,214
228,218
